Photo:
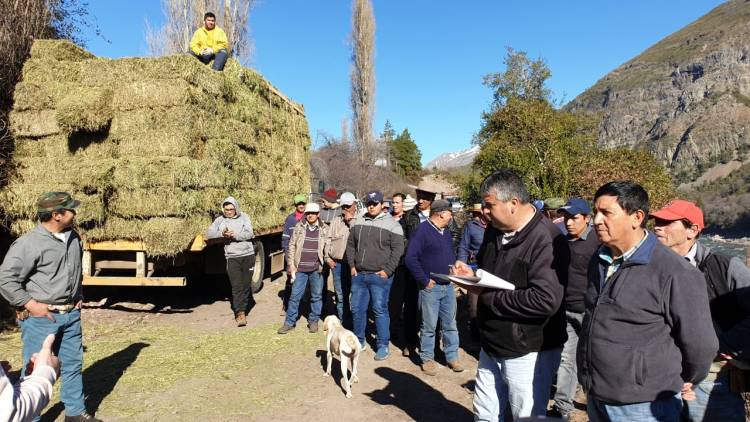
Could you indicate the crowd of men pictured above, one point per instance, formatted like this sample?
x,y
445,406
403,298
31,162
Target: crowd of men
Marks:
x,y
651,323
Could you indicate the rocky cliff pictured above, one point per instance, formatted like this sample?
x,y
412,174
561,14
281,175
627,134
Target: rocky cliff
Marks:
x,y
686,99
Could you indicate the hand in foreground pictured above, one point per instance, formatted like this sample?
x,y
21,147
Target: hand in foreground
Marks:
x,y
687,391
44,357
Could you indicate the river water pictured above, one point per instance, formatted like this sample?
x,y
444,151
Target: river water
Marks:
x,y
727,247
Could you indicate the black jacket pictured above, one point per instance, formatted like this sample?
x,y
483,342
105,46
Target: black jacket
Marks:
x,y
648,330
581,251
514,322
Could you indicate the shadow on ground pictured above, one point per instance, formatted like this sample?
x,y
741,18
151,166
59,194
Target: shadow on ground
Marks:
x,y
417,399
100,379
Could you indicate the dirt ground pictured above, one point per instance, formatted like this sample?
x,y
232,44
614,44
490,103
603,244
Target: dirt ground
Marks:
x,y
153,354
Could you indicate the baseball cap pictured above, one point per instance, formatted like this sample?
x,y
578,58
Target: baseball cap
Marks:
x,y
374,197
330,195
440,205
312,207
575,206
680,209
56,201
347,198
300,199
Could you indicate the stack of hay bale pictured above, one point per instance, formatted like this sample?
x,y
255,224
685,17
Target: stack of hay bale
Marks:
x,y
151,145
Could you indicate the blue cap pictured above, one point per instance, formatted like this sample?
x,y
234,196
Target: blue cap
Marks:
x,y
575,206
374,197
538,204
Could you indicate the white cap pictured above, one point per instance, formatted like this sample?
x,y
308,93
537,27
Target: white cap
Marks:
x,y
312,207
347,198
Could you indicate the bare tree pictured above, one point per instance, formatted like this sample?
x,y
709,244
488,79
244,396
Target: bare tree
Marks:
x,y
363,77
345,130
183,17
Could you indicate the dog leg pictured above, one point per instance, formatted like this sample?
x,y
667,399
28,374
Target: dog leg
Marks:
x,y
329,357
354,368
344,378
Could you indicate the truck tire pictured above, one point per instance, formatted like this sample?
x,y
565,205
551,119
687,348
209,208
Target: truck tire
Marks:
x,y
259,271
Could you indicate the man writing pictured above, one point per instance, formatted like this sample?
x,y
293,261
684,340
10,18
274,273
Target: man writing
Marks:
x,y
647,332
526,249
678,226
41,275
210,43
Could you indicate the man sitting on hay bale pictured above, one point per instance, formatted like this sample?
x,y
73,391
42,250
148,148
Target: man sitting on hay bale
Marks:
x,y
210,43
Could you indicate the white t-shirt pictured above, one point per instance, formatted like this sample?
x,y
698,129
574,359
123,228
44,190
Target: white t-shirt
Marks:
x,y
64,236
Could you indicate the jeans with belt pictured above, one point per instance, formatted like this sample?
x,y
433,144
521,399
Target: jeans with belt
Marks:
x,y
69,349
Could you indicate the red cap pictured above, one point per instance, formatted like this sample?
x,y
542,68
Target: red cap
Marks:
x,y
330,195
679,209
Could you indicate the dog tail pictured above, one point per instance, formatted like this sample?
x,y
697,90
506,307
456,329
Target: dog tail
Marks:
x,y
352,342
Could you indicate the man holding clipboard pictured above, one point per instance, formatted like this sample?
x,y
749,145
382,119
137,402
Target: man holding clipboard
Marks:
x,y
522,330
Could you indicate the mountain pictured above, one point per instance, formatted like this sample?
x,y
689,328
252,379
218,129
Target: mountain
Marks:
x,y
451,160
686,98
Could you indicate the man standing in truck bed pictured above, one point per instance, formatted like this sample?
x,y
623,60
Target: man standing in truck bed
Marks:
x,y
42,275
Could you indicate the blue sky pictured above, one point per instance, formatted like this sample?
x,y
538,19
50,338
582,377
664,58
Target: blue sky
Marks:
x,y
430,55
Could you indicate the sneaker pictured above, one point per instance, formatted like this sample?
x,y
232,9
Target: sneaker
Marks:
x,y
83,417
313,327
241,319
429,368
383,353
456,366
285,329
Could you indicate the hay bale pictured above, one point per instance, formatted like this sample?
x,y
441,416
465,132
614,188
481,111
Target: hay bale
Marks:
x,y
19,201
156,93
175,172
58,51
89,110
163,236
153,145
34,123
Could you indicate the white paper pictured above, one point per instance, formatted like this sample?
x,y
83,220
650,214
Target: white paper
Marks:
x,y
484,279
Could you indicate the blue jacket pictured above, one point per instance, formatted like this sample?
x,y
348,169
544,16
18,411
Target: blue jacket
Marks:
x,y
646,330
289,223
471,240
429,251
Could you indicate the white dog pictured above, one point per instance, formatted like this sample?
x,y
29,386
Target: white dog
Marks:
x,y
345,345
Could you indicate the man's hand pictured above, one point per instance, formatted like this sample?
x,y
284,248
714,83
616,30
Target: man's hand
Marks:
x,y
44,357
430,284
228,234
209,51
460,268
331,263
382,274
687,391
38,309
354,272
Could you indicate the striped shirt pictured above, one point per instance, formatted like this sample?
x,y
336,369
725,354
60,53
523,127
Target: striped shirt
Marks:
x,y
309,259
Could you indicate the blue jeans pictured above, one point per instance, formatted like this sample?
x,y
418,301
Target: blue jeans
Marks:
x,y
370,288
714,402
298,291
220,59
438,303
664,410
501,382
67,346
342,285
547,363
567,380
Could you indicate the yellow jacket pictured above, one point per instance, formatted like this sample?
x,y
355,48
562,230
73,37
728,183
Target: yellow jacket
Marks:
x,y
215,39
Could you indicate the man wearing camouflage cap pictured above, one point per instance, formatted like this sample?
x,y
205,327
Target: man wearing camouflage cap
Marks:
x,y
41,275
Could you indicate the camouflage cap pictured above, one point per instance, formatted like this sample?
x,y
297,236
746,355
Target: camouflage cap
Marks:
x,y
56,201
